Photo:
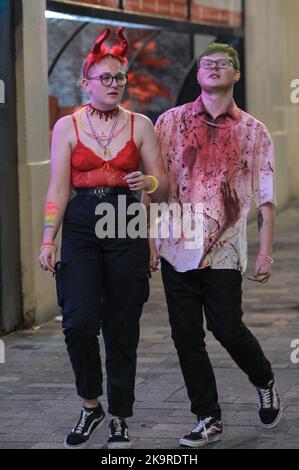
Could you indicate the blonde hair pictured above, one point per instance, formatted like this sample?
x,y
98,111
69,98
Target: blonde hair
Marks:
x,y
219,47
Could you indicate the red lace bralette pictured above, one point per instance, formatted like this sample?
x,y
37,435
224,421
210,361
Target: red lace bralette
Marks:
x,y
88,170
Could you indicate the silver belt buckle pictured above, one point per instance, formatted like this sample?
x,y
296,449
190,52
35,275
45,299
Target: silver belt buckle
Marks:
x,y
99,192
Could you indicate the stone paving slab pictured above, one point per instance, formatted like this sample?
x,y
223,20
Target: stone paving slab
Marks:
x,y
38,402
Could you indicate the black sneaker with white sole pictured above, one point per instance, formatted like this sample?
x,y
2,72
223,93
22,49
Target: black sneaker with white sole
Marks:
x,y
270,406
89,422
207,431
119,437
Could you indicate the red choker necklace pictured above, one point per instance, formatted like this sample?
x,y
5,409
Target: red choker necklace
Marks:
x,y
107,114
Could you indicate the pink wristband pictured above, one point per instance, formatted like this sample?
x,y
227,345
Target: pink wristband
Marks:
x,y
48,244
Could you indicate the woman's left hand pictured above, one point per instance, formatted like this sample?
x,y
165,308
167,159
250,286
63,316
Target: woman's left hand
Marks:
x,y
137,181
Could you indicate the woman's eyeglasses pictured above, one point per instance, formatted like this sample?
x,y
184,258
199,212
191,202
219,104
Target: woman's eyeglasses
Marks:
x,y
106,79
220,63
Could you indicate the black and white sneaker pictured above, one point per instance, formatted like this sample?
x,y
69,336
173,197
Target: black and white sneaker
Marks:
x,y
270,406
207,431
88,423
119,437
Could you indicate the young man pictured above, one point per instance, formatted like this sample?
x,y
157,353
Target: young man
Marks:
x,y
217,156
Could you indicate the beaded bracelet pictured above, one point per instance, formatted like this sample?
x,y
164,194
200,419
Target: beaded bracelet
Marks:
x,y
268,258
155,187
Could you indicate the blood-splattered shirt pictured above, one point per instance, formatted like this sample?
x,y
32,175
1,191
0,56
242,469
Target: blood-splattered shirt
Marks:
x,y
219,163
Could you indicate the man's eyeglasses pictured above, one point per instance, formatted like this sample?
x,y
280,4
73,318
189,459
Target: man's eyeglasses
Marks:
x,y
220,63
107,79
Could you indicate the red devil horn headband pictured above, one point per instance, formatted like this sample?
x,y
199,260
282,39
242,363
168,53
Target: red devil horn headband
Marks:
x,y
100,51
99,42
123,41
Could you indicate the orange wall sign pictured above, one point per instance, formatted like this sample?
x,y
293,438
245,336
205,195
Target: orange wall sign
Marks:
x,y
217,12
102,3
213,12
169,8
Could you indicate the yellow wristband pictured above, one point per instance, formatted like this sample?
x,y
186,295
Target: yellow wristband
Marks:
x,y
155,186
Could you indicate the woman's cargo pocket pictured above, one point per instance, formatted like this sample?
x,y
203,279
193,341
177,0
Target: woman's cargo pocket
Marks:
x,y
140,284
58,279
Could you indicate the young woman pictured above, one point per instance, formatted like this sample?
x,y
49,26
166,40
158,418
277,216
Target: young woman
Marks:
x,y
101,281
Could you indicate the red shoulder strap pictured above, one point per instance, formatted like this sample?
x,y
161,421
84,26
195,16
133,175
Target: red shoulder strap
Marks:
x,y
76,127
132,126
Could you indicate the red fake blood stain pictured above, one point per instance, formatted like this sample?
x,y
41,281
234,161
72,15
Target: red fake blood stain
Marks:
x,y
189,157
217,155
231,204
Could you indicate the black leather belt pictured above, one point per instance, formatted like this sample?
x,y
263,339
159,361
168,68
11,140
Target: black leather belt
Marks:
x,y
102,191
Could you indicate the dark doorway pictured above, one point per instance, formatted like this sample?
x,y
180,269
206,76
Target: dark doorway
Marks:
x,y
190,88
10,280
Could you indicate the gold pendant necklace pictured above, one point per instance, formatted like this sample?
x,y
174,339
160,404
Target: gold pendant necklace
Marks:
x,y
106,152
103,146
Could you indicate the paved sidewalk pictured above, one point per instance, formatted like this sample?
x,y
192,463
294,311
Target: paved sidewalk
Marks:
x,y
38,402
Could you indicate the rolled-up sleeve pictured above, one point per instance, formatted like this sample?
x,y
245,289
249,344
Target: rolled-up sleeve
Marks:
x,y
163,135
263,176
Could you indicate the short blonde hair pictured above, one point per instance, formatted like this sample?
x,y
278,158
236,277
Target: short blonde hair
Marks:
x,y
219,47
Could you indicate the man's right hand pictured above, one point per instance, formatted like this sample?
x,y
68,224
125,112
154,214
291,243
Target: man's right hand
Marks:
x,y
154,256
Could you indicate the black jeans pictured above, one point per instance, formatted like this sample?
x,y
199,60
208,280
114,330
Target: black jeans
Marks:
x,y
101,283
217,292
